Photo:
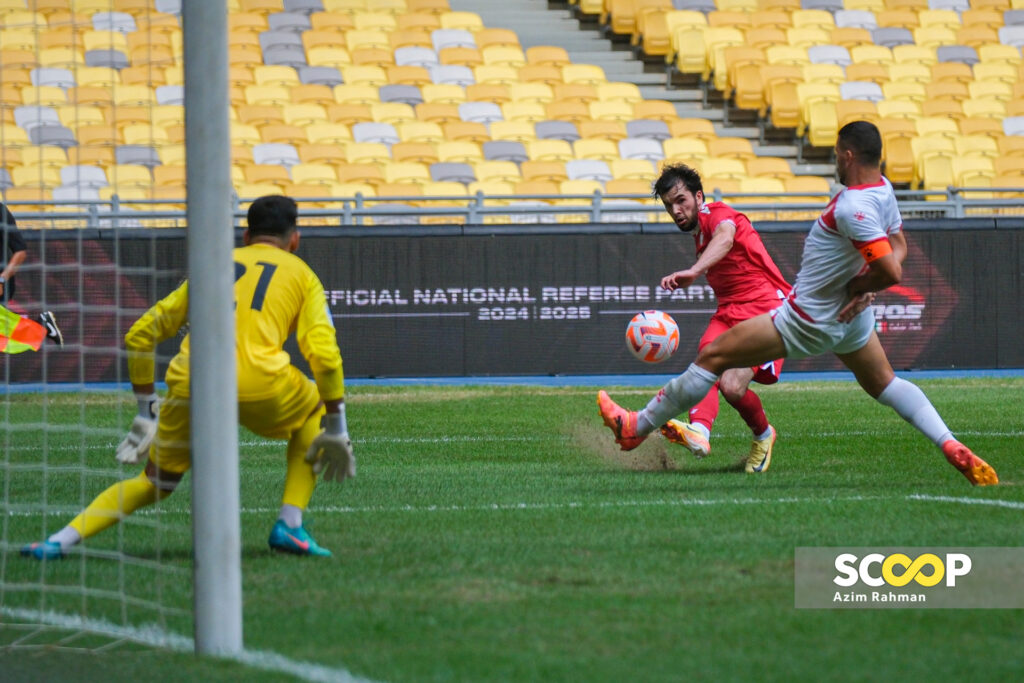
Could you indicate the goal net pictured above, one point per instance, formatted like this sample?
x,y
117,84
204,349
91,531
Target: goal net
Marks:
x,y
92,166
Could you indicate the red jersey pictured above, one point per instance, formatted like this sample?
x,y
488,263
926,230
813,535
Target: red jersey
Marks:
x,y
746,273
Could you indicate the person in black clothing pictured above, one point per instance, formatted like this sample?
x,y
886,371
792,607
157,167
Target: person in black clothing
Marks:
x,y
18,333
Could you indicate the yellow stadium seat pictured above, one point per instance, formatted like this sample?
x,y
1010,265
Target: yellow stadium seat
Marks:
x,y
147,135
731,147
914,54
549,150
362,93
367,153
275,75
471,131
769,167
314,174
498,171
904,90
282,133
73,116
807,36
448,93
987,107
364,75
618,92
609,129
547,74
990,53
465,56
976,146
277,95
787,54
936,127
899,108
374,21
699,128
824,73
943,107
420,131
312,93
868,71
437,112
614,111
874,54
910,71
500,74
813,17
531,112
420,152
714,168
466,21
540,93
326,133
633,169
999,90
522,131
43,96
392,112
266,173
547,54
406,172
661,110
503,55
583,73
690,52
323,55
951,71
459,151
686,149
850,36
259,114
595,148
304,114
356,39
996,71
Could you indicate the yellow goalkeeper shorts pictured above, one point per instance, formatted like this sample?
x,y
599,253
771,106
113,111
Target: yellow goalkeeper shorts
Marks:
x,y
277,417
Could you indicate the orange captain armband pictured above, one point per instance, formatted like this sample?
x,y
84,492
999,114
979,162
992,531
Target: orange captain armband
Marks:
x,y
872,251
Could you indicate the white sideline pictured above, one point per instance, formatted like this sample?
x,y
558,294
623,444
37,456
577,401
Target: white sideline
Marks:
x,y
155,636
994,502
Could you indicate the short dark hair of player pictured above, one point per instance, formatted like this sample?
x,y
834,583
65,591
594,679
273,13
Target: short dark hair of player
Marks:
x,y
672,174
864,140
273,214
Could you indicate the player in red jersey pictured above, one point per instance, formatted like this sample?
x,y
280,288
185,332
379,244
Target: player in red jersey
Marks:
x,y
746,283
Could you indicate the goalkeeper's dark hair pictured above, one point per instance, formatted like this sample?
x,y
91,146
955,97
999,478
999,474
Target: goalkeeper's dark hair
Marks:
x,y
864,140
273,214
671,175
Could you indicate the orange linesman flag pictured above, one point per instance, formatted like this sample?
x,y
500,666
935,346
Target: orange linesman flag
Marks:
x,y
18,334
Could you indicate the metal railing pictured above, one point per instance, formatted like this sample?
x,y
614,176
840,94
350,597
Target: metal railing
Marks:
x,y
116,213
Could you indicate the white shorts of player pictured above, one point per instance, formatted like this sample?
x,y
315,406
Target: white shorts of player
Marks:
x,y
804,338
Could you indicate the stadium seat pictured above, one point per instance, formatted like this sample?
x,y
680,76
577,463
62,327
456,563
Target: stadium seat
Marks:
x,y
508,150
641,148
609,129
595,148
421,131
556,129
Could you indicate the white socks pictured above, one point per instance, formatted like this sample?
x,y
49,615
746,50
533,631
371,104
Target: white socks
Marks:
x,y
914,407
67,537
679,395
146,402
291,515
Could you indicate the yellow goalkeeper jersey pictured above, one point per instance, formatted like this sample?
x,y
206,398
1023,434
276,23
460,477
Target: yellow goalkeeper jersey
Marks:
x,y
276,294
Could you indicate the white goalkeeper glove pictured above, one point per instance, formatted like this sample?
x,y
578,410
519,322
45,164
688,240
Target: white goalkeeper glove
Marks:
x,y
331,450
136,445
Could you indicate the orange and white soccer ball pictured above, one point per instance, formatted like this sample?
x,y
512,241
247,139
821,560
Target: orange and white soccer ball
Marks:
x,y
652,336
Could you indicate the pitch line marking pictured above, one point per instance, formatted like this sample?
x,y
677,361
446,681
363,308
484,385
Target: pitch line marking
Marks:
x,y
155,636
993,502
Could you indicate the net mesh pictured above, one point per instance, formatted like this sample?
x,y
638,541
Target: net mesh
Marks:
x,y
90,109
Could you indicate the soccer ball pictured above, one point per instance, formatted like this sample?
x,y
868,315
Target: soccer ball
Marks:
x,y
652,336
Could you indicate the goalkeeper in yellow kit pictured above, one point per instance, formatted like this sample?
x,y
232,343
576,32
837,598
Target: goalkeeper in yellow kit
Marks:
x,y
275,293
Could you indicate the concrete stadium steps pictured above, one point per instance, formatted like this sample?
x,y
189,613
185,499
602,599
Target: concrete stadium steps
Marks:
x,y
544,22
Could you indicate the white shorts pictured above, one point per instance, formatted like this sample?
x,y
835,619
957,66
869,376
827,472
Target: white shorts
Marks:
x,y
804,338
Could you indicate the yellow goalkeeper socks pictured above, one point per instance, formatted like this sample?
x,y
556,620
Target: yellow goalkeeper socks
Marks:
x,y
116,503
299,480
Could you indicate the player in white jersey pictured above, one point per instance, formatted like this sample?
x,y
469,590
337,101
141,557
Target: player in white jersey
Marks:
x,y
855,248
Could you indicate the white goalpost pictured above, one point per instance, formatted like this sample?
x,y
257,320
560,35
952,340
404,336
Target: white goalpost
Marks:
x,y
215,497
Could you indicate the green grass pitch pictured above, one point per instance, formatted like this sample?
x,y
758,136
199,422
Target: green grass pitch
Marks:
x,y
496,534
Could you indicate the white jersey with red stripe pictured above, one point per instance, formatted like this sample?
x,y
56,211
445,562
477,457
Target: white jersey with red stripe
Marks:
x,y
855,218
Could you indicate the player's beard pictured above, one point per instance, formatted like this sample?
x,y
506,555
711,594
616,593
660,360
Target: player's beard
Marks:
x,y
689,226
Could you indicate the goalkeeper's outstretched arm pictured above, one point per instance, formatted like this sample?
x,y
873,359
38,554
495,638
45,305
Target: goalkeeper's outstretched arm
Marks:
x,y
160,322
